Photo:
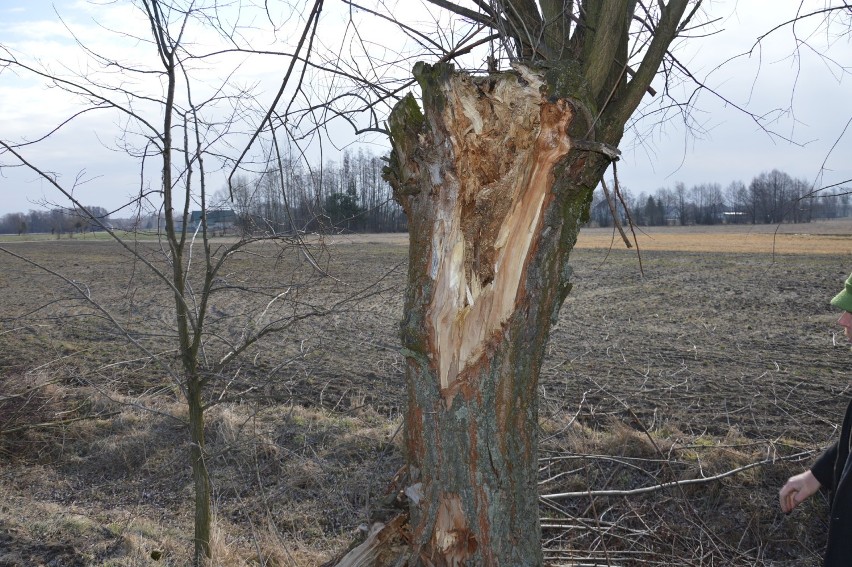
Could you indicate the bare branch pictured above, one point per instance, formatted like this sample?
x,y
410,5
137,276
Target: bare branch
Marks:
x,y
675,483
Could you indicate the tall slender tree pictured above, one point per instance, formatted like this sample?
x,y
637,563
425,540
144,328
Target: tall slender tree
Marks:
x,y
184,126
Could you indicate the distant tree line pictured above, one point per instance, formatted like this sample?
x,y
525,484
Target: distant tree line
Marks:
x,y
349,195
352,196
770,198
58,221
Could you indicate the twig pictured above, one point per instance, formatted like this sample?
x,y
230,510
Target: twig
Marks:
x,y
614,212
664,485
57,423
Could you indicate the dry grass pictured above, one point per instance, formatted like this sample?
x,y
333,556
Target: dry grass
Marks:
x,y
723,371
731,521
821,237
825,237
290,485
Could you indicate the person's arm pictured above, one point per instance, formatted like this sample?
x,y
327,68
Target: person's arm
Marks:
x,y
798,489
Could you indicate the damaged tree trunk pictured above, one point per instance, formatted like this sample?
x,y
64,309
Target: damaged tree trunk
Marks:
x,y
495,187
496,175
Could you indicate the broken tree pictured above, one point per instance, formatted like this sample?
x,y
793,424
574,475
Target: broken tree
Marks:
x,y
496,175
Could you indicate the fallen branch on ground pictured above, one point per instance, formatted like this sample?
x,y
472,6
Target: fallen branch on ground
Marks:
x,y
674,483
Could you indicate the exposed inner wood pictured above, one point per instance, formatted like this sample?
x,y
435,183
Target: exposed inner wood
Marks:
x,y
452,538
505,140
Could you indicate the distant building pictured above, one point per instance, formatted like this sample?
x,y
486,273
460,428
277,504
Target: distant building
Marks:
x,y
734,217
218,220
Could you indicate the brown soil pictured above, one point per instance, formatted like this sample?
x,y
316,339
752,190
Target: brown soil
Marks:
x,y
717,353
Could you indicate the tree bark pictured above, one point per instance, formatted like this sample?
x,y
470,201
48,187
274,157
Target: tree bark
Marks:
x,y
200,476
496,176
491,229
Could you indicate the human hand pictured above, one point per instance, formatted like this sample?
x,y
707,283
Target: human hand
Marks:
x,y
797,489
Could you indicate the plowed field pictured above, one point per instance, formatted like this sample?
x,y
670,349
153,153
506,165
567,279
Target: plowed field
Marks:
x,y
709,351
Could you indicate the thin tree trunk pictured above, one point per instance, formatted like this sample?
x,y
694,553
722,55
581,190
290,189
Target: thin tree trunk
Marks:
x,y
200,477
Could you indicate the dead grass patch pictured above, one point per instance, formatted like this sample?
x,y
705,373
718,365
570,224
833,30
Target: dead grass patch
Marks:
x,y
40,417
726,359
631,506
827,237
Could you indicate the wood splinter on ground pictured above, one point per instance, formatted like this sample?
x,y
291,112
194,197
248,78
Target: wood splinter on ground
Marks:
x,y
384,546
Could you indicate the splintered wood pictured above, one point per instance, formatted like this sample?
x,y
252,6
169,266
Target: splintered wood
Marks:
x,y
453,539
505,139
384,545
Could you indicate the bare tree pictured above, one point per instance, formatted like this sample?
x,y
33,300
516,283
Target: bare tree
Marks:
x,y
179,128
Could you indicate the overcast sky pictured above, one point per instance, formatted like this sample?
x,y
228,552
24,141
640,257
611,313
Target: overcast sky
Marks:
x,y
801,94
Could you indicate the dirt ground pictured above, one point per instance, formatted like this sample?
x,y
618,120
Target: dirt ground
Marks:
x,y
716,362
